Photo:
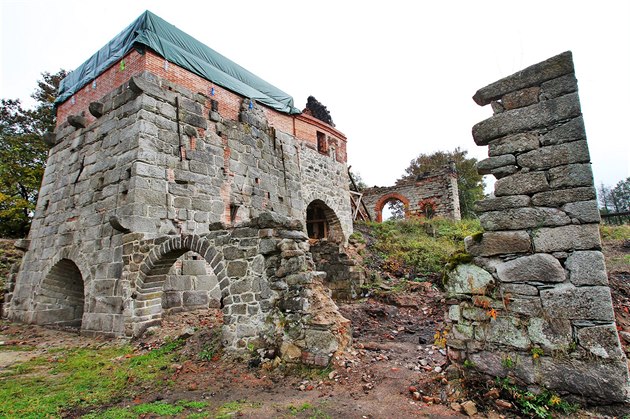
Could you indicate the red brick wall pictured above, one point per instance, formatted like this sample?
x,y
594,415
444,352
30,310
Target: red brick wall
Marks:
x,y
303,127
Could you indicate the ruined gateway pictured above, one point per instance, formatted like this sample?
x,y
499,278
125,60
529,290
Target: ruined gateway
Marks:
x,y
178,180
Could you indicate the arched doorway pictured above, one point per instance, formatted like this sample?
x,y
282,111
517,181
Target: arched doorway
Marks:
x,y
399,208
322,222
178,275
61,297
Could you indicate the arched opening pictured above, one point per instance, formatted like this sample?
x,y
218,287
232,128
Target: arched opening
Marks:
x,y
61,297
190,285
391,206
178,276
322,222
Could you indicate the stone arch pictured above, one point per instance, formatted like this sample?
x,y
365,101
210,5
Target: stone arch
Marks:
x,y
60,297
154,270
322,222
383,200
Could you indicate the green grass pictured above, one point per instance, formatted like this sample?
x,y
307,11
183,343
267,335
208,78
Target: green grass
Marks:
x,y
417,248
70,378
615,232
542,405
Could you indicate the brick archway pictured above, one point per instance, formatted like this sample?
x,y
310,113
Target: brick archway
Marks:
x,y
383,200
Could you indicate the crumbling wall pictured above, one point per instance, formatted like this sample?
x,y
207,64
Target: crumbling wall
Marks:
x,y
434,192
536,305
155,164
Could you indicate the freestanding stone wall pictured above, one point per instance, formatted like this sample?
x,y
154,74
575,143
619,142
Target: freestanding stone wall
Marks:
x,y
434,193
540,310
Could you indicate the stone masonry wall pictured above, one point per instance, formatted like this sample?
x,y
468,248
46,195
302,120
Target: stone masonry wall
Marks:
x,y
158,161
536,306
437,189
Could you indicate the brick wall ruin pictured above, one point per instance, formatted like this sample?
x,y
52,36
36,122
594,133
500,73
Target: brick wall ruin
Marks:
x,y
161,198
434,192
536,304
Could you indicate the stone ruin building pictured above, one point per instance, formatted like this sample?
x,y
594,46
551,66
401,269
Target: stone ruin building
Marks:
x,y
433,193
178,180
536,304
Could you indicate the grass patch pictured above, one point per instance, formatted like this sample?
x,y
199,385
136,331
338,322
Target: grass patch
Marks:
x,y
71,378
231,409
416,248
615,232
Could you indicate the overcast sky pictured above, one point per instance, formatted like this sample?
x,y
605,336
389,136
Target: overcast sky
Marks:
x,y
397,76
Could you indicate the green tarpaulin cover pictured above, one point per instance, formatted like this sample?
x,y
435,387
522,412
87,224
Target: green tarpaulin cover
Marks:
x,y
179,48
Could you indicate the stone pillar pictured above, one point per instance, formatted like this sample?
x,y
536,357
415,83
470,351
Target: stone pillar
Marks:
x,y
540,310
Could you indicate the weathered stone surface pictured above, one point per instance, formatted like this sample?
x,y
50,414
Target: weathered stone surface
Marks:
x,y
468,279
96,109
520,98
531,76
514,144
522,218
587,268
570,176
570,237
558,87
601,382
563,196
540,267
555,155
583,211
532,117
502,202
486,166
551,334
498,242
77,121
494,364
567,132
601,341
504,331
521,184
565,301
527,306
503,171
518,289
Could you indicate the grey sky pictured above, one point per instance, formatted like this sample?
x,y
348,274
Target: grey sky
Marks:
x,y
397,76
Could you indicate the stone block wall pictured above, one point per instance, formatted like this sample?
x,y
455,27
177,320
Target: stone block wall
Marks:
x,y
437,189
536,305
157,162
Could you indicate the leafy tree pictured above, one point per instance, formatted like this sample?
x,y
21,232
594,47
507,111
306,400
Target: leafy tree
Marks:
x,y
617,199
23,154
469,182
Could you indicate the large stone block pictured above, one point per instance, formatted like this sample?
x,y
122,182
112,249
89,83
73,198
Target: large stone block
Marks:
x,y
540,267
522,218
498,242
520,98
567,132
552,334
506,331
601,341
521,184
533,117
468,279
569,237
570,176
555,155
533,75
587,268
563,196
514,144
558,87
566,301
599,381
502,202
486,166
583,211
